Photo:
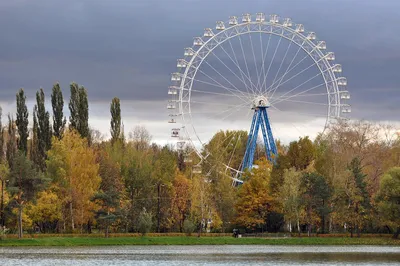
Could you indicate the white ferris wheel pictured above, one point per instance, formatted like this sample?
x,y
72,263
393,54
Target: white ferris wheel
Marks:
x,y
247,64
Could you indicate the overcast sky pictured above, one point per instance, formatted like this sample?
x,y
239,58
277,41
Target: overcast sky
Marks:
x,y
128,48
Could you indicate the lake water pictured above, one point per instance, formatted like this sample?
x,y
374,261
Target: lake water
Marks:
x,y
201,255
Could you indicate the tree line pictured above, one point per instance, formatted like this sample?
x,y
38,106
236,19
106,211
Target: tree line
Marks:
x,y
59,177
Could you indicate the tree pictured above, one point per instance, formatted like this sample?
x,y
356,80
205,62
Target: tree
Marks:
x,y
43,129
24,184
144,222
181,199
301,153
46,212
34,149
1,136
110,194
140,138
4,174
79,110
74,171
254,199
57,103
11,142
115,110
315,195
388,199
22,122
290,197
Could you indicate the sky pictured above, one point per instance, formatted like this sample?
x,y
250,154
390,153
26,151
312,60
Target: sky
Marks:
x,y
128,49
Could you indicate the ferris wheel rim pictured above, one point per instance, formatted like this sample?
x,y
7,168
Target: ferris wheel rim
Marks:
x,y
334,94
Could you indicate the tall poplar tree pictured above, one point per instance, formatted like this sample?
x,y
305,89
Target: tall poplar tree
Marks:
x,y
79,110
11,142
115,111
43,129
57,102
22,121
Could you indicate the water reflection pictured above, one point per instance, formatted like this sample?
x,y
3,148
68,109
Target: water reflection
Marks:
x,y
202,255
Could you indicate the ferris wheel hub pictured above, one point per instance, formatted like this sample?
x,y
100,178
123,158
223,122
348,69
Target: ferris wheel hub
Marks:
x,y
261,101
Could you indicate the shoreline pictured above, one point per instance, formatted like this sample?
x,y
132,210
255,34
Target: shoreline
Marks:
x,y
194,240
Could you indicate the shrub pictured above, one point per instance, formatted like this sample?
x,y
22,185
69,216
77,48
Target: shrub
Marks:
x,y
188,227
144,222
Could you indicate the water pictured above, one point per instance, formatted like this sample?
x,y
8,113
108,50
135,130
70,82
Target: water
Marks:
x,y
201,255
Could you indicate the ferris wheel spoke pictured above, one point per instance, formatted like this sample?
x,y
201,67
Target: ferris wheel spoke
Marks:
x,y
305,102
243,75
237,107
280,66
263,60
254,56
296,75
213,103
299,113
290,69
232,90
229,68
270,65
251,85
305,82
209,92
245,61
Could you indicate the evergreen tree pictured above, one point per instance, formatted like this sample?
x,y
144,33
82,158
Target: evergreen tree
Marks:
x,y
22,121
24,183
43,129
115,110
57,102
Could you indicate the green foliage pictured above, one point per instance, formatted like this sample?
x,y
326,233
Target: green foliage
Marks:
x,y
388,198
11,141
115,110
22,122
42,129
301,153
188,227
145,222
57,103
79,110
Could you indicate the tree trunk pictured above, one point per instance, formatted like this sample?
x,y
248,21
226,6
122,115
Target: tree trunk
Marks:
x,y
107,233
20,232
72,216
397,233
2,204
158,208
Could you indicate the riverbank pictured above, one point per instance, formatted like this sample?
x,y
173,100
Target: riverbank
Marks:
x,y
183,240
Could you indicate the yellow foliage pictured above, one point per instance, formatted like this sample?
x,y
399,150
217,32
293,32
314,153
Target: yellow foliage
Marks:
x,y
254,199
72,166
46,209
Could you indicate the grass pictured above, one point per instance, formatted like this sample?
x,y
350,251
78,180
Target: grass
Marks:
x,y
183,240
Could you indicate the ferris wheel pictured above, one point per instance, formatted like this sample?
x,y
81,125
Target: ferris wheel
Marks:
x,y
261,73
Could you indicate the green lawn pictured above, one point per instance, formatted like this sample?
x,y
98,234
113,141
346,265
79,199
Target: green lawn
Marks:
x,y
183,240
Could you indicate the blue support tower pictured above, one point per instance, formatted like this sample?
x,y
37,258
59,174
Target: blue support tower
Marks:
x,y
260,120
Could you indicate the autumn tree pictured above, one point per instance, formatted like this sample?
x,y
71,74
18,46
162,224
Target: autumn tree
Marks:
x,y
24,184
75,173
110,193
254,199
181,199
115,110
301,153
290,196
388,199
315,196
22,121
46,212
57,103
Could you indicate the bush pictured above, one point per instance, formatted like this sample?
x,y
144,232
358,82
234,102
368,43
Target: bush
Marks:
x,y
144,222
3,232
188,227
